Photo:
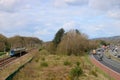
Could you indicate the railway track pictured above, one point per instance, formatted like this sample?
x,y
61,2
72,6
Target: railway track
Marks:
x,y
6,61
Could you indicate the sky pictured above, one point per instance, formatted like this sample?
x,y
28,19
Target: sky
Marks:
x,y
43,18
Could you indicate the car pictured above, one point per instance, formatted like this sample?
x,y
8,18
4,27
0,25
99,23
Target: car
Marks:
x,y
118,56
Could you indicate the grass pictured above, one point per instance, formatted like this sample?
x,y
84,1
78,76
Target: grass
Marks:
x,y
112,57
44,64
2,53
67,63
76,72
60,67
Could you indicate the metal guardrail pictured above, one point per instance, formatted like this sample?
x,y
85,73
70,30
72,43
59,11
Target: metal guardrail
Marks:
x,y
10,77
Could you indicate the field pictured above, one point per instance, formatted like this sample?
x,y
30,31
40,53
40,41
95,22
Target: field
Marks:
x,y
60,67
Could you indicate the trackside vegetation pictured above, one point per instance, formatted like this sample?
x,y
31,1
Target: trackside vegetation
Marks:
x,y
64,58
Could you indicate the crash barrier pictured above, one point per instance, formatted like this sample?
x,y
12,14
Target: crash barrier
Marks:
x,y
10,77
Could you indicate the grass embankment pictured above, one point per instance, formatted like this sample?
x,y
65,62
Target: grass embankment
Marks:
x,y
60,67
109,55
2,53
6,71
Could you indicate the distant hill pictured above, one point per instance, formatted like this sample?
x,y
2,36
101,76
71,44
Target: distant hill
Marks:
x,y
18,41
114,39
21,41
3,42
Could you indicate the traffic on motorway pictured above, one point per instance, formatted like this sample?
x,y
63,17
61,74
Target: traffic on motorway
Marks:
x,y
109,56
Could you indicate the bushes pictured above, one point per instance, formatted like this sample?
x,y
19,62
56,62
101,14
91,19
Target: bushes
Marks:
x,y
94,72
67,63
2,53
76,72
73,43
44,64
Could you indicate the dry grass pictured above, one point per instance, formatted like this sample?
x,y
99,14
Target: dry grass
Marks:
x,y
4,73
56,70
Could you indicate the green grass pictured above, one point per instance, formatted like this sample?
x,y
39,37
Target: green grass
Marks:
x,y
44,64
2,53
57,67
67,63
103,73
76,72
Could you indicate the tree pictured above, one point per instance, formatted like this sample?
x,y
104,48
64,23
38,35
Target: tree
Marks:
x,y
77,31
73,43
102,42
58,36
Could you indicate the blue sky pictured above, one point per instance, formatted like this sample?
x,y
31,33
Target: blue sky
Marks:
x,y
43,18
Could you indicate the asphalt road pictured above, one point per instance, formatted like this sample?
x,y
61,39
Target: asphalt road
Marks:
x,y
109,63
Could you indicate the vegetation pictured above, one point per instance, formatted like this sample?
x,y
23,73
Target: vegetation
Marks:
x,y
44,64
18,41
102,42
53,68
2,53
70,43
3,43
67,63
64,58
58,37
76,72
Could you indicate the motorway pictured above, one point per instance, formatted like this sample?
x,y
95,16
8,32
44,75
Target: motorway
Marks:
x,y
109,62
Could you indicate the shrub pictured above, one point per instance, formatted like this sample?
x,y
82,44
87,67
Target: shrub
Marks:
x,y
44,64
78,63
2,53
37,60
93,72
43,59
75,73
44,52
66,63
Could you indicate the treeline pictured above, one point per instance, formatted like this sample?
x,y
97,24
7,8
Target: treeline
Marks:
x,y
72,42
18,41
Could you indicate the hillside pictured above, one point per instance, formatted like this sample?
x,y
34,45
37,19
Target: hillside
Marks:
x,y
21,41
18,41
3,42
113,39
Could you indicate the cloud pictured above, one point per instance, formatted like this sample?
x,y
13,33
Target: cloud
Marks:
x,y
61,3
95,4
76,2
104,4
14,21
115,14
8,5
69,25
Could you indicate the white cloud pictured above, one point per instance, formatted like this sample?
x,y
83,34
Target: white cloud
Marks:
x,y
8,5
95,4
61,3
76,2
13,21
104,4
114,14
69,25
